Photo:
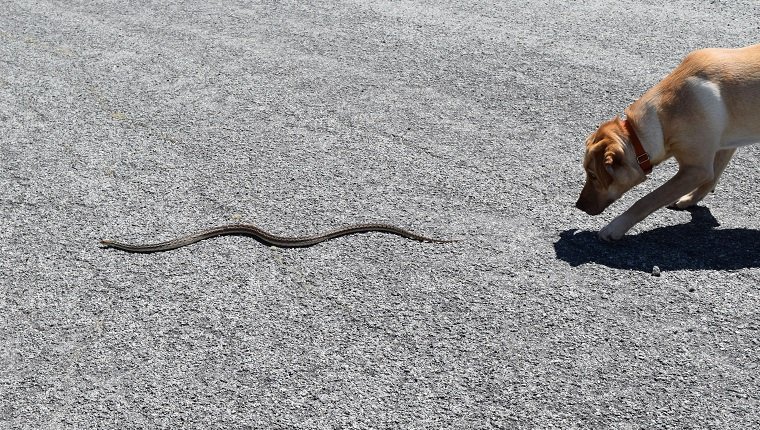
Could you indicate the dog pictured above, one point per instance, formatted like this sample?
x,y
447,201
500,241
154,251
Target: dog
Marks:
x,y
700,113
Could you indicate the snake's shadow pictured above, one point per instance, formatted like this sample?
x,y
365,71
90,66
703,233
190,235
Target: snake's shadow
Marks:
x,y
696,245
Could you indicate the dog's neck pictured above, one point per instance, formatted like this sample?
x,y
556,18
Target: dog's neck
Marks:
x,y
648,129
642,157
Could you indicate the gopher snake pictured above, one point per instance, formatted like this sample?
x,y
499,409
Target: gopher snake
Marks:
x,y
266,237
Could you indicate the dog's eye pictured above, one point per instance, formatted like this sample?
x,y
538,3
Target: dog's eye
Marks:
x,y
591,176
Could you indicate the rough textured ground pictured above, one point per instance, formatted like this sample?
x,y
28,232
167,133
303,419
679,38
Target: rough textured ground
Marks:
x,y
462,119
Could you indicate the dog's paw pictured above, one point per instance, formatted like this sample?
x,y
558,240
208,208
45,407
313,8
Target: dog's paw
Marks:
x,y
615,230
608,235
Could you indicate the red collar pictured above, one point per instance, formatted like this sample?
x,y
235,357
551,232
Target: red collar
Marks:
x,y
641,155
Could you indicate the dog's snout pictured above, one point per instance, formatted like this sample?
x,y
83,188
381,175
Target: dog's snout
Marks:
x,y
582,205
591,209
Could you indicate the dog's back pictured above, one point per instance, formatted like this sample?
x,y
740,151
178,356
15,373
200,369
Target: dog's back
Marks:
x,y
738,71
714,84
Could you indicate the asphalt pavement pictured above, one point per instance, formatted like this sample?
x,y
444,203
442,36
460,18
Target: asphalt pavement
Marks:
x,y
142,121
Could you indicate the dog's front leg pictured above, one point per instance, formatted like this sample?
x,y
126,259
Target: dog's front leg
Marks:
x,y
687,179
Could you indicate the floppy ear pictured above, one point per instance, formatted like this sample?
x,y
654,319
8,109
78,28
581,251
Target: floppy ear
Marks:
x,y
613,158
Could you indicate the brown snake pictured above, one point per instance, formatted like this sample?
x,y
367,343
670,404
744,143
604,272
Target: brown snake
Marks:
x,y
266,237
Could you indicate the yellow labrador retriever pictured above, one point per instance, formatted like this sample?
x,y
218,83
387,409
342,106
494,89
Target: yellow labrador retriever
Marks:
x,y
699,114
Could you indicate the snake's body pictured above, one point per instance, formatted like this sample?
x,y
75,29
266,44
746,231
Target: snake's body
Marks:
x,y
267,238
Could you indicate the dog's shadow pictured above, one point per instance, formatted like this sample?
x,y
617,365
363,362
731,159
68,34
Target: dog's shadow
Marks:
x,y
696,245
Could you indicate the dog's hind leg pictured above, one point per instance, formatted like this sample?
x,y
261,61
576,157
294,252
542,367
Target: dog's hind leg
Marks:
x,y
722,158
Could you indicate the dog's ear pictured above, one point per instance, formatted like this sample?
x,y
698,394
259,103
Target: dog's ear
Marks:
x,y
613,157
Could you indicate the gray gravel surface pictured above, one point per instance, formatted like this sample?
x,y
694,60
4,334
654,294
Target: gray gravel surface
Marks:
x,y
144,120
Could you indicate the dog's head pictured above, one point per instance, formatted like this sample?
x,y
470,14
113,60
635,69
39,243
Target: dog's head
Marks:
x,y
611,167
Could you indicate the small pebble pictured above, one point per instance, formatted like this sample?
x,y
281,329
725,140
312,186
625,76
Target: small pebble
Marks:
x,y
656,271
692,289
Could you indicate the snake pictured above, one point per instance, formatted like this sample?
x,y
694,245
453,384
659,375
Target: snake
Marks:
x,y
267,238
